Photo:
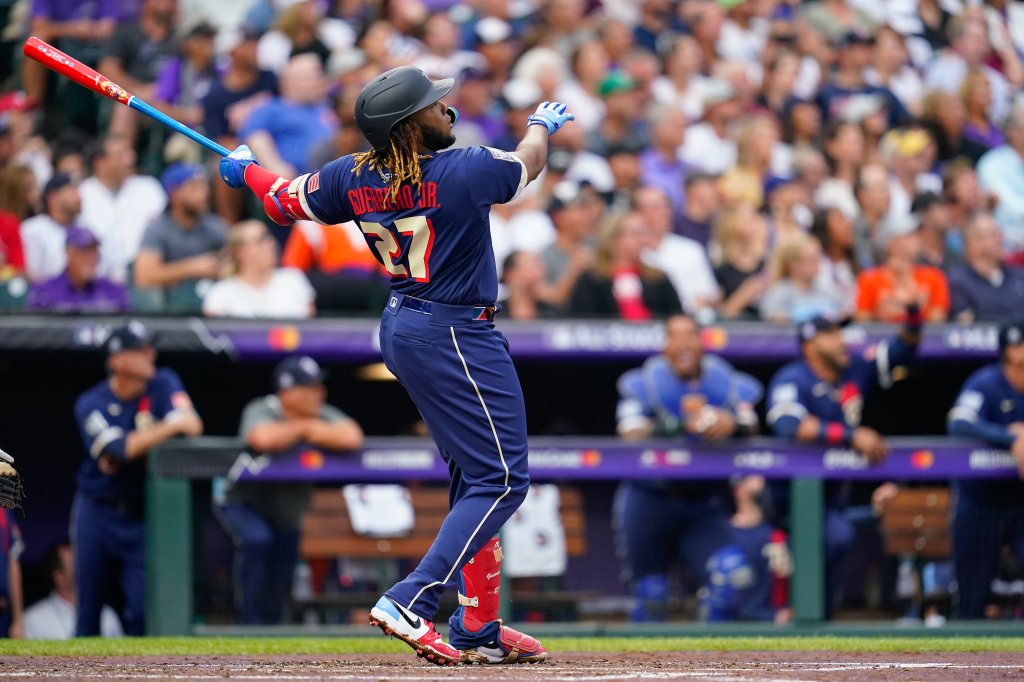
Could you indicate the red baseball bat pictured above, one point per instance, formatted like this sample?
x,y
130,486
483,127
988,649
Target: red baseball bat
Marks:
x,y
87,77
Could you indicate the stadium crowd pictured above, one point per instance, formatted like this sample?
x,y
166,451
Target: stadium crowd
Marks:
x,y
795,162
758,159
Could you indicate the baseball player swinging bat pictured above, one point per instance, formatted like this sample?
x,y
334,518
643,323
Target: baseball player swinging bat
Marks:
x,y
69,67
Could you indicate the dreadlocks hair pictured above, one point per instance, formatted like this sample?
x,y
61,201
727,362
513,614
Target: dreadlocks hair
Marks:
x,y
400,158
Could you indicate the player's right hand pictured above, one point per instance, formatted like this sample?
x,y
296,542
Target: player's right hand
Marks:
x,y
870,443
551,115
232,166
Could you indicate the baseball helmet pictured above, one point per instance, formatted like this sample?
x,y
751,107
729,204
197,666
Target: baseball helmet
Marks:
x,y
392,96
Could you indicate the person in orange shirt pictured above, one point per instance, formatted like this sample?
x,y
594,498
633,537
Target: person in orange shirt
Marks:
x,y
343,272
883,292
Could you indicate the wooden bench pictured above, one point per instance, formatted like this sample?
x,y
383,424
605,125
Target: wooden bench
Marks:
x,y
327,534
916,522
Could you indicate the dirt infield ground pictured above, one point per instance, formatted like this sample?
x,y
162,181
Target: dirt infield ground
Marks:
x,y
567,667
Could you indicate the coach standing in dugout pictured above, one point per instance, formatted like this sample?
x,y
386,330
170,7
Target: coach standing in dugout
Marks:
x,y
684,394
264,520
820,399
136,408
989,514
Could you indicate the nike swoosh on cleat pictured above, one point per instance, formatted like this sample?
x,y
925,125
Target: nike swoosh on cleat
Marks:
x,y
414,623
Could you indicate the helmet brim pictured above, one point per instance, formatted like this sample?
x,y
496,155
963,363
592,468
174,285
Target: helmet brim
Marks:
x,y
438,89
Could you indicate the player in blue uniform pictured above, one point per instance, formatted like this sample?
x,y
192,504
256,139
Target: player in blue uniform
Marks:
x,y
819,399
12,623
120,419
680,393
424,214
989,514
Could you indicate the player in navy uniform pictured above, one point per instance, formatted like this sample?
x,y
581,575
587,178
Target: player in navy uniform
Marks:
x,y
12,622
819,399
989,514
681,392
424,214
120,419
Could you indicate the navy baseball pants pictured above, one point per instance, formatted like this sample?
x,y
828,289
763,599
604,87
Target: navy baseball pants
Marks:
x,y
109,543
458,372
987,516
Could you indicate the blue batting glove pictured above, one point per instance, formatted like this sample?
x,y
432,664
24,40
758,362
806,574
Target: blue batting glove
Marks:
x,y
551,115
232,166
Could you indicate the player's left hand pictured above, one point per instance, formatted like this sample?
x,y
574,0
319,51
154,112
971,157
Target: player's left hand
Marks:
x,y
232,166
551,115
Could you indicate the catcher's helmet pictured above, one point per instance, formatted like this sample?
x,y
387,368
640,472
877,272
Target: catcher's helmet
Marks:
x,y
392,96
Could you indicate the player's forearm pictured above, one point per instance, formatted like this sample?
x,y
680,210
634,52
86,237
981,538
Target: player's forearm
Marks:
x,y
277,436
533,151
14,589
138,443
995,434
153,272
343,435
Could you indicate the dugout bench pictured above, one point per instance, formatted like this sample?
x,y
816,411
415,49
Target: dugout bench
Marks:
x,y
175,465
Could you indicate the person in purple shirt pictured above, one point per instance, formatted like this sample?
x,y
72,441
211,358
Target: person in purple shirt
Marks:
x,y
78,289
185,79
660,165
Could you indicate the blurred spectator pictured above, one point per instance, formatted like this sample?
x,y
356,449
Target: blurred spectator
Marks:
x,y
776,93
185,79
741,240
134,56
12,622
654,22
284,132
589,67
885,291
54,616
910,155
853,53
891,68
660,165
703,201
78,289
522,273
619,284
969,48
300,28
43,235
982,290
256,287
118,204
264,521
496,43
682,85
342,271
183,245
479,122
1001,172
19,197
873,197
746,181
964,197
573,249
708,145
683,260
793,295
845,152
616,36
443,57
990,407
931,211
945,118
686,395
837,272
788,207
120,419
347,138
749,580
935,20
624,163
976,93
834,19
819,398
621,125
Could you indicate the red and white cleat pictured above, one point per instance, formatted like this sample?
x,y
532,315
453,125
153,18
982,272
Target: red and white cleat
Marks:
x,y
419,633
512,647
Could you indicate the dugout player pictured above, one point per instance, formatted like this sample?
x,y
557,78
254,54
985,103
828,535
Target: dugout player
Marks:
x,y
680,393
120,419
424,215
820,398
989,514
12,622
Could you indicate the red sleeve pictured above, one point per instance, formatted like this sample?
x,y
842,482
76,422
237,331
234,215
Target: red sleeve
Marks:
x,y
938,293
281,202
867,292
10,236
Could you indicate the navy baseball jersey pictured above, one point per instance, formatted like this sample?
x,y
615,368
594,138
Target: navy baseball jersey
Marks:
x,y
435,241
796,392
655,393
104,422
749,580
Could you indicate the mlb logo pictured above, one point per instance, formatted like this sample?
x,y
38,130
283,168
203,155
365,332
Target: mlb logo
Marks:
x,y
393,303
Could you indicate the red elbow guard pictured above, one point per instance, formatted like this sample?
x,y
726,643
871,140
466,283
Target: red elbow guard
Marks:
x,y
279,203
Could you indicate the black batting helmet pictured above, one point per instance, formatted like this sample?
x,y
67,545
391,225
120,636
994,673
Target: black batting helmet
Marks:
x,y
392,96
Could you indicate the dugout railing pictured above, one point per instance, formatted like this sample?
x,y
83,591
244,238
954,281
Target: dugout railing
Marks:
x,y
177,466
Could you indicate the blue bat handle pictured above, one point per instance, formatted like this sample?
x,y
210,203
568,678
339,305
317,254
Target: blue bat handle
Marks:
x,y
140,106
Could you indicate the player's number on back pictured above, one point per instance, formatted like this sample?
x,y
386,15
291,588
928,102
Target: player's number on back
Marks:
x,y
422,233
